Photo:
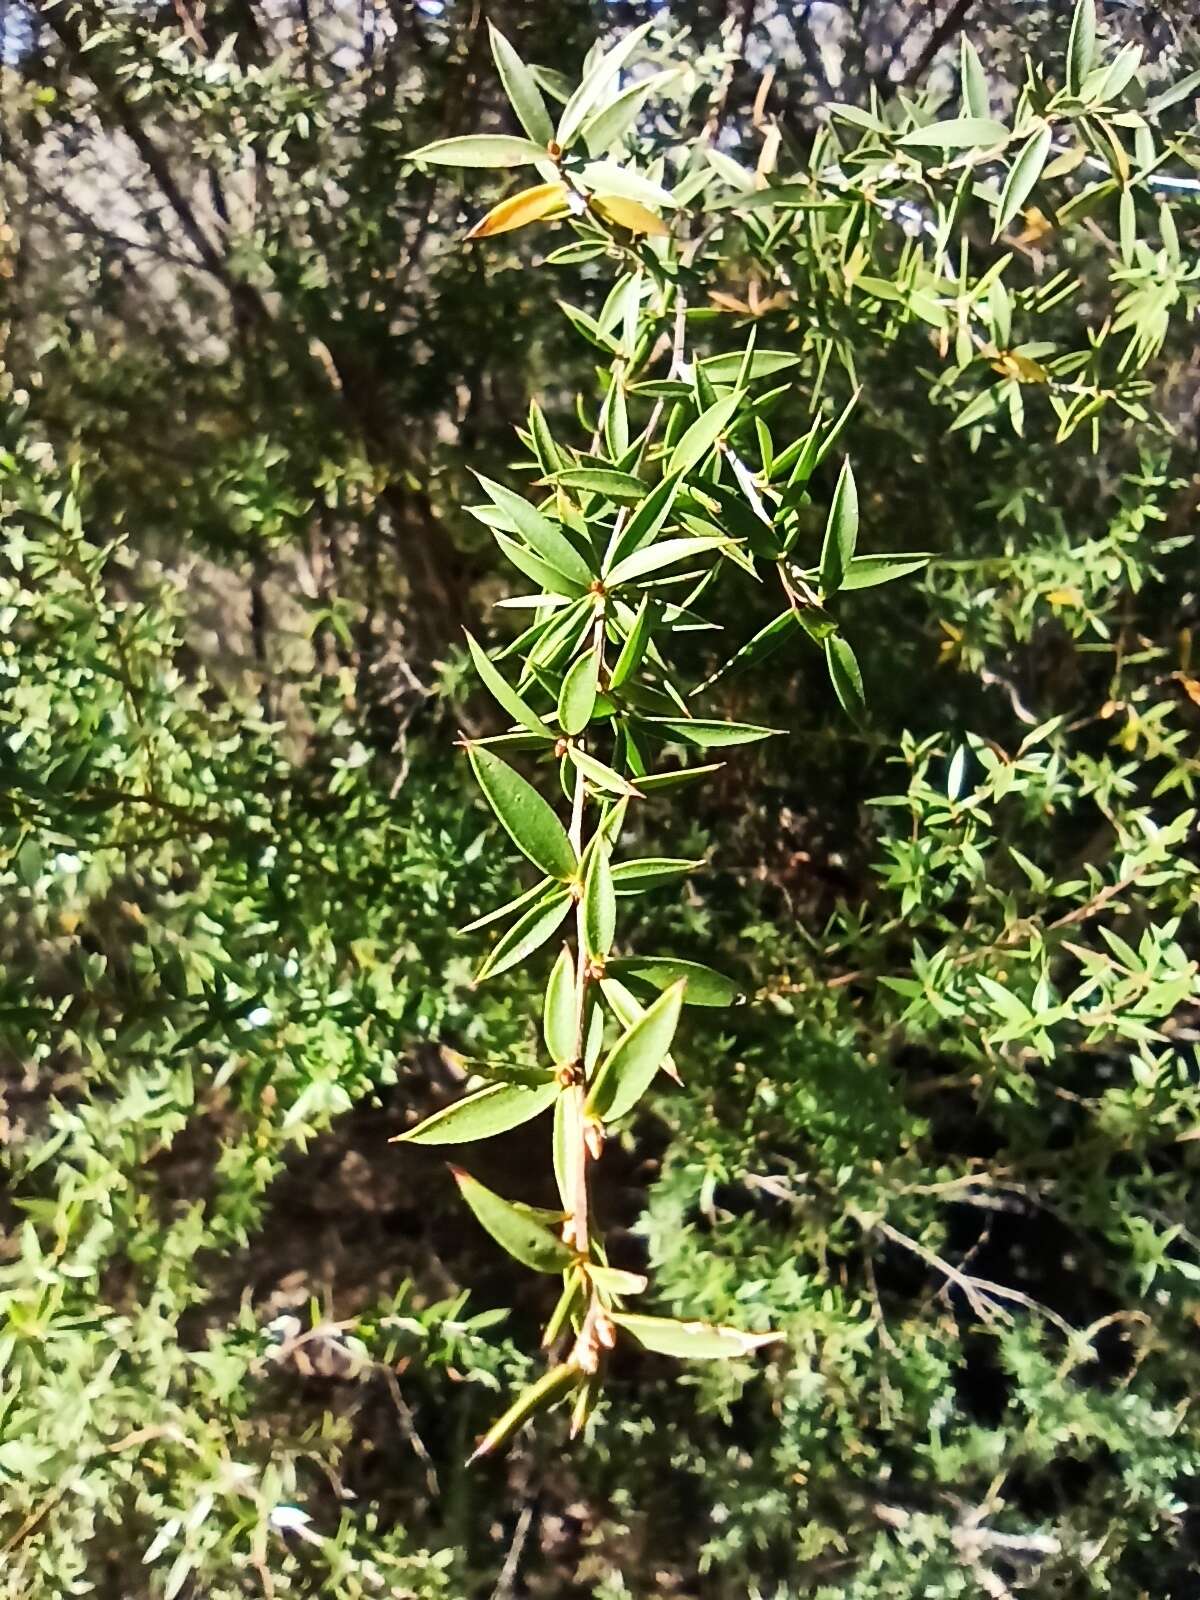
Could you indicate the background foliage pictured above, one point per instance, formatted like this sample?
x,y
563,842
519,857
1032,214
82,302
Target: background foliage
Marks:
x,y
948,1149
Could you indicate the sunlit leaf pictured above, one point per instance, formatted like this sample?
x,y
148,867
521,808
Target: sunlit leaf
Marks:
x,y
489,1111
1026,170
521,89
630,214
539,1396
480,150
531,205
529,933
503,692
956,133
524,1232
845,675
577,699
705,987
841,531
559,1010
706,734
544,537
1081,45
599,904
526,817
691,1341
699,439
594,92
629,1068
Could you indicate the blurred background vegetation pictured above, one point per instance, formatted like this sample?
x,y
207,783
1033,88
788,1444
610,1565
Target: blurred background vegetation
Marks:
x,y
245,363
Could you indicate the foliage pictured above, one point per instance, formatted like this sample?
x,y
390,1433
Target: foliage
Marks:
x,y
942,1156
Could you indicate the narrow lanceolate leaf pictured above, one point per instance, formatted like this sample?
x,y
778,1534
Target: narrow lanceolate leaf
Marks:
x,y
480,150
522,90
706,735
845,675
974,82
691,1341
489,1111
699,439
577,698
765,642
540,572
595,91
705,987
605,128
614,1281
558,1012
529,933
673,780
627,1009
611,179
521,1230
503,692
531,205
666,553
507,909
867,572
599,905
531,824
841,531
552,1386
550,457
646,523
1081,46
607,481
1026,170
634,648
956,133
603,777
544,537
650,872
630,214
627,1071
762,364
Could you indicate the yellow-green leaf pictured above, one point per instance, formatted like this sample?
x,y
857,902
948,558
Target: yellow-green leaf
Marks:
x,y
691,1341
489,1111
629,1068
522,1230
558,1012
531,205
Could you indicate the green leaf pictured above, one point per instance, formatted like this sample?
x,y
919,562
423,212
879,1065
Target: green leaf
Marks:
x,y
672,780
841,531
603,777
974,82
708,735
867,572
699,439
844,673
646,522
577,698
728,368
634,647
666,553
507,909
1026,170
592,94
705,987
606,128
551,1386
1081,46
628,1069
614,1281
540,572
550,457
527,818
765,642
558,1013
610,178
956,133
521,89
544,538
521,1230
691,1341
504,693
529,933
628,1009
599,905
607,481
489,1111
650,872
480,150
